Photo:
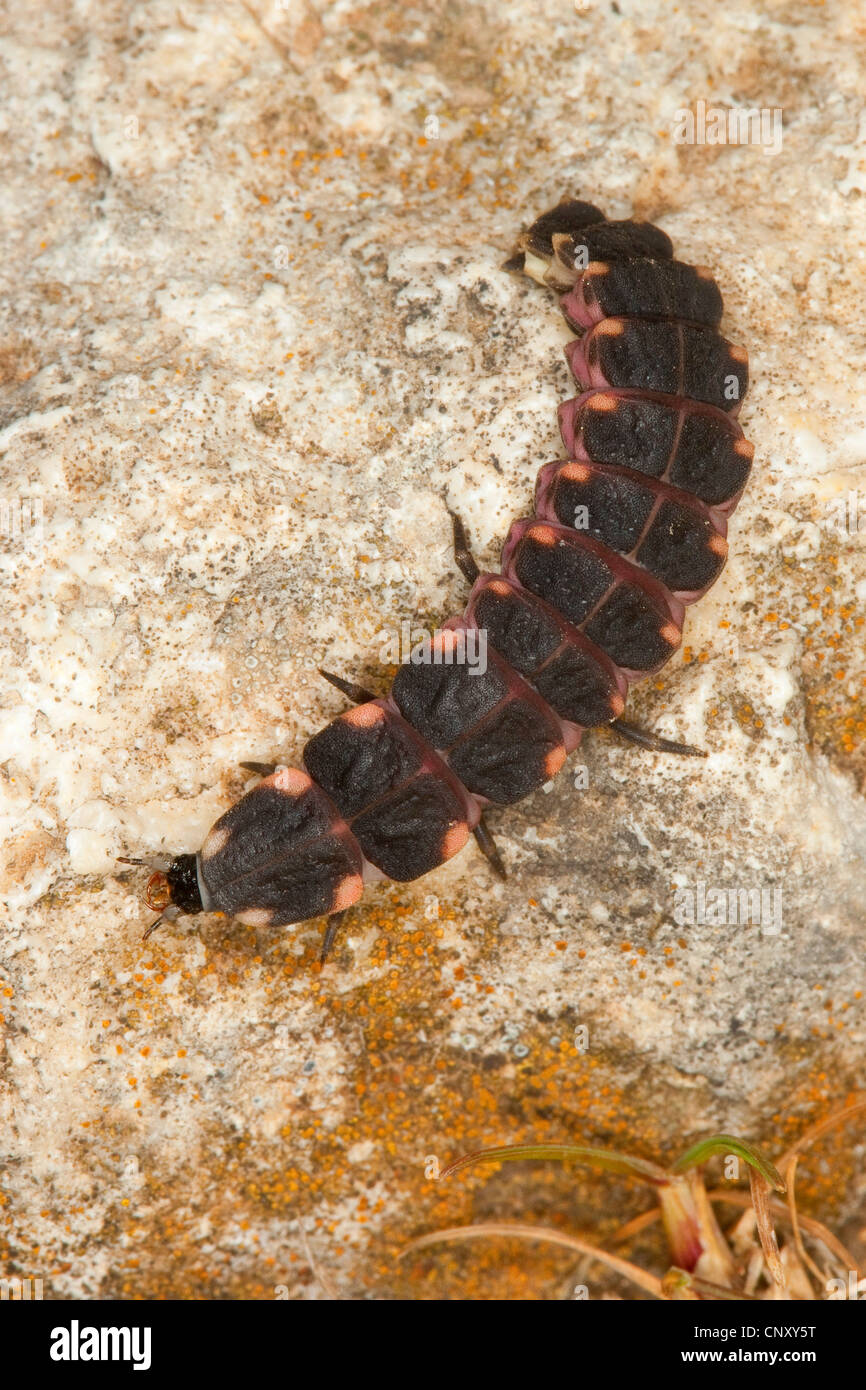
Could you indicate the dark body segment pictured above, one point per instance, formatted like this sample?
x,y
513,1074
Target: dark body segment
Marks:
x,y
634,629
402,804
682,549
511,753
493,730
415,829
444,697
643,289
661,355
562,244
575,678
632,617
609,505
675,538
611,241
568,218
362,755
564,240
556,566
714,468
280,855
693,447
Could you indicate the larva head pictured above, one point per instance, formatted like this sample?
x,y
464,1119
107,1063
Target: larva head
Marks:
x,y
535,252
175,888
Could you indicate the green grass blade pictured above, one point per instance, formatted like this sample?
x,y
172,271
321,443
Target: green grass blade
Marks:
x,y
608,1160
726,1144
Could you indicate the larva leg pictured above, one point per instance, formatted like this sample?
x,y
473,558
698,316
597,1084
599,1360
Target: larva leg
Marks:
x,y
487,845
645,738
335,921
260,769
356,693
462,554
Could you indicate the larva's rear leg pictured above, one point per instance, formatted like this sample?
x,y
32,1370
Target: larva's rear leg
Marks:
x,y
356,693
335,921
487,845
260,769
462,554
645,738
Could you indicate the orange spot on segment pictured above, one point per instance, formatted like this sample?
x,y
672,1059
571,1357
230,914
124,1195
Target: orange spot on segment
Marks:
x,y
214,842
364,716
348,891
454,839
576,472
545,535
256,917
292,781
554,760
602,400
671,634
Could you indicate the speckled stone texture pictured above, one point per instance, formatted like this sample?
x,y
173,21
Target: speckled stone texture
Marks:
x,y
254,336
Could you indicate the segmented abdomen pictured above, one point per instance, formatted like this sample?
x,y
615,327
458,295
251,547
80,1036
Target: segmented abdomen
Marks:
x,y
629,529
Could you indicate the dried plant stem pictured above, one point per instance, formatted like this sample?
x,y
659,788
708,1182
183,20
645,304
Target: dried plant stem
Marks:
x,y
515,1229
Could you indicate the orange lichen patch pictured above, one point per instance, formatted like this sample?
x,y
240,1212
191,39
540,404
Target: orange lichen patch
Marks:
x,y
463,1105
748,719
833,661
